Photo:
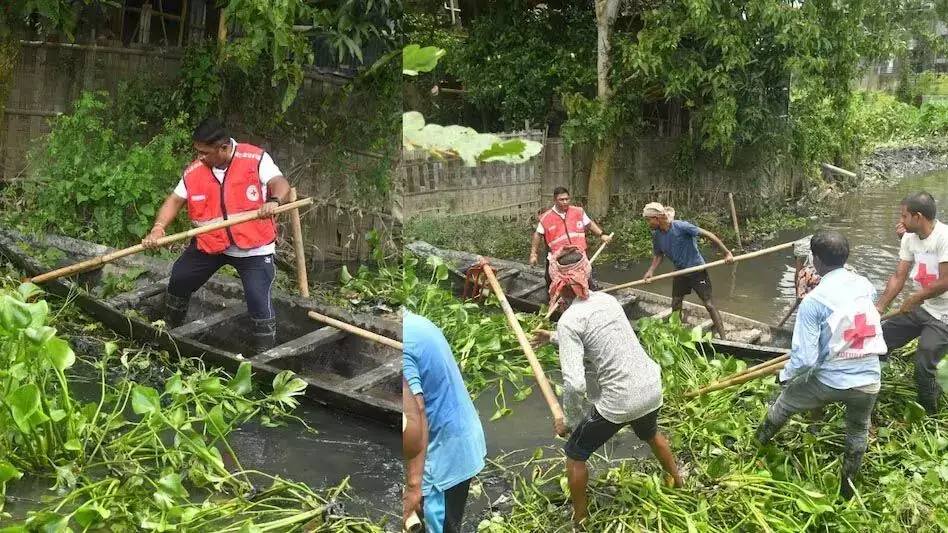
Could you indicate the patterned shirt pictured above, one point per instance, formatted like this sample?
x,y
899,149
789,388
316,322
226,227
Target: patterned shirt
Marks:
x,y
629,382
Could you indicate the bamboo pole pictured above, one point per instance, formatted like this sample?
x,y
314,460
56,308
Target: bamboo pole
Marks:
x,y
364,333
764,369
108,258
744,378
699,268
737,229
790,312
599,251
765,364
297,228
837,170
524,343
413,524
556,298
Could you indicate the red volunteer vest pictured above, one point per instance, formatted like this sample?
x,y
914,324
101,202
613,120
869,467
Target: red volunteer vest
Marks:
x,y
560,232
241,192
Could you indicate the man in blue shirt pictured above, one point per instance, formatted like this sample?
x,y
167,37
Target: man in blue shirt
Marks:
x,y
678,240
834,357
437,479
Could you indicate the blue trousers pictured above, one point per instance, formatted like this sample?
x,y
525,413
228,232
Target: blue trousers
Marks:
x,y
194,267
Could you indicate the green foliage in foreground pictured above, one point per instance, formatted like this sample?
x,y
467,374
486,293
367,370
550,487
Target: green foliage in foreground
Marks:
x,y
487,352
139,457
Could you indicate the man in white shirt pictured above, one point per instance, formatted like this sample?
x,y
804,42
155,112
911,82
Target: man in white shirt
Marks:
x,y
227,179
923,257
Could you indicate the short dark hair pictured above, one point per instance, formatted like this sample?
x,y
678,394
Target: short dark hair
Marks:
x,y
920,202
831,247
211,131
558,191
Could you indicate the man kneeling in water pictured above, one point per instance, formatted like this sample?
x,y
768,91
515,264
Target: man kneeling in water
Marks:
x,y
629,382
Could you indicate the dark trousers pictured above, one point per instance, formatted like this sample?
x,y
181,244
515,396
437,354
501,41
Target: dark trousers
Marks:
x,y
445,511
194,267
932,337
806,394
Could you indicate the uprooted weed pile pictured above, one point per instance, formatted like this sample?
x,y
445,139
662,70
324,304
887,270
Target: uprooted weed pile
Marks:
x,y
790,485
146,454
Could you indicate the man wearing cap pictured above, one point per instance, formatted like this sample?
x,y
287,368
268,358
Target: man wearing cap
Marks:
x,y
563,225
678,240
628,382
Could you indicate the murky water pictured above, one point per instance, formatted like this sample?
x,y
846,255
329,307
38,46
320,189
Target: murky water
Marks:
x,y
760,288
345,446
365,451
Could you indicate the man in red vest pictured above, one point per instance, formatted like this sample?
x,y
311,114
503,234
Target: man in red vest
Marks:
x,y
563,225
227,179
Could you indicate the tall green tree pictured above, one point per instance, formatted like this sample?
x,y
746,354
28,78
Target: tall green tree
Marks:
x,y
772,77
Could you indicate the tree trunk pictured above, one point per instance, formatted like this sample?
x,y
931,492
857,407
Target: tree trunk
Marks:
x,y
9,52
599,186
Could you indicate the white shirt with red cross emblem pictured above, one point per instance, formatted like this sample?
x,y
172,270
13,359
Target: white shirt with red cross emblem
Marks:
x,y
926,255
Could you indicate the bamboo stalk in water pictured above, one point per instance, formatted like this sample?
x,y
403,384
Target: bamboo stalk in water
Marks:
x,y
699,268
548,394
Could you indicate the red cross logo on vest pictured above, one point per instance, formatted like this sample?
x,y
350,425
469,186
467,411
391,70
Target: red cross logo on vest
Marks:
x,y
856,336
923,277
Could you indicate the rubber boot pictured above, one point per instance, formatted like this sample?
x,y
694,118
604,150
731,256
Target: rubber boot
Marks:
x,y
264,333
176,309
851,462
929,392
766,431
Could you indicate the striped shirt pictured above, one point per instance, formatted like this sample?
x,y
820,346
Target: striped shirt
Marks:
x,y
629,382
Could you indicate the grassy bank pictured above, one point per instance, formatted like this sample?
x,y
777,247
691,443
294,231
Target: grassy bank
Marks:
x,y
506,239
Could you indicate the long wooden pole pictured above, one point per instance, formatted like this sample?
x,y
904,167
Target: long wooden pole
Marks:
x,y
599,251
556,298
297,228
699,268
790,312
364,333
108,258
737,229
524,343
764,369
744,378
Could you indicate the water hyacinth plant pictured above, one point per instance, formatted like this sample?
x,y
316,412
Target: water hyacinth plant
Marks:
x,y
141,456
790,485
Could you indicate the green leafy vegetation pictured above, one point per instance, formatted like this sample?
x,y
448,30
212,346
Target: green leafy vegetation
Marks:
x,y
150,450
788,485
472,147
488,354
480,234
92,183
